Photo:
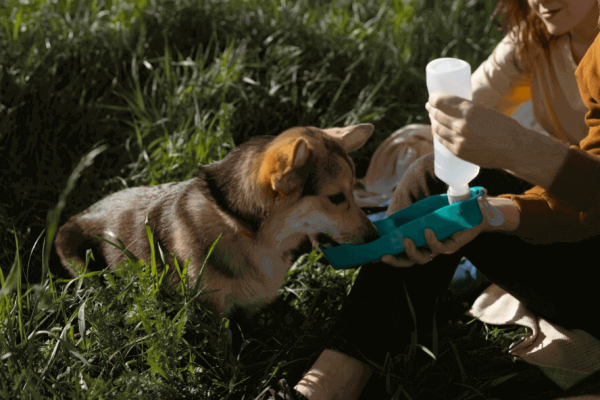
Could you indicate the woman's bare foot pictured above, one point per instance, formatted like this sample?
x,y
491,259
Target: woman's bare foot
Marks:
x,y
334,376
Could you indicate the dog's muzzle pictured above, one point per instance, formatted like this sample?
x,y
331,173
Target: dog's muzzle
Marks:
x,y
324,240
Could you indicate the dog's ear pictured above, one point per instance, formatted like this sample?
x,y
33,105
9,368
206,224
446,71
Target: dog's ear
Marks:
x,y
351,137
279,167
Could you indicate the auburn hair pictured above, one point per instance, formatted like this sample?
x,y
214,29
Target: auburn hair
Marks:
x,y
528,27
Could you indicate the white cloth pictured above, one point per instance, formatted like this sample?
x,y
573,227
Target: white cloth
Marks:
x,y
391,160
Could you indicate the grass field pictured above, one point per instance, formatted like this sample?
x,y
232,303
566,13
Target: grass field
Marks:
x,y
97,96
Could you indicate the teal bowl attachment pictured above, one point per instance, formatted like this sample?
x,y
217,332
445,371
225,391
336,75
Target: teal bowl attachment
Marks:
x,y
433,212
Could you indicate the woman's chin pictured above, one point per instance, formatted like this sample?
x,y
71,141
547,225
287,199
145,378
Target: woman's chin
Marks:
x,y
557,30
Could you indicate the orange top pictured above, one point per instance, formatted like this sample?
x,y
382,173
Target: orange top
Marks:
x,y
569,210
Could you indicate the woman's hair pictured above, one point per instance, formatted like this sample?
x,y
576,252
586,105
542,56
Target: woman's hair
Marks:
x,y
528,27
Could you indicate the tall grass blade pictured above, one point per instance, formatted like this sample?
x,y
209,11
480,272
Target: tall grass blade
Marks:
x,y
201,273
81,319
13,283
461,368
152,253
17,24
119,245
54,214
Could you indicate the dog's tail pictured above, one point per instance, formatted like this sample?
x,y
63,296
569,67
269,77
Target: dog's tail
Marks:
x,y
72,244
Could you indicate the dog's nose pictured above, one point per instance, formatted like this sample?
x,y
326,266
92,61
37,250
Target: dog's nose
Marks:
x,y
371,233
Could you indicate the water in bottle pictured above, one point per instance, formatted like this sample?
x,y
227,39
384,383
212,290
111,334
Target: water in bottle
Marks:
x,y
451,76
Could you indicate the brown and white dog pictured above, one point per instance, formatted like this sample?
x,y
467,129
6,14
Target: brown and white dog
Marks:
x,y
272,199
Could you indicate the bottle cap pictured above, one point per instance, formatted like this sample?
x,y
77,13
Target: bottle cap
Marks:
x,y
458,193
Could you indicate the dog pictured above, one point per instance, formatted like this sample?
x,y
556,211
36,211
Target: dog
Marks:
x,y
271,200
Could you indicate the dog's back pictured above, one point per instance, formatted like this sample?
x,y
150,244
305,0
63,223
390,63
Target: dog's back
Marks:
x,y
118,215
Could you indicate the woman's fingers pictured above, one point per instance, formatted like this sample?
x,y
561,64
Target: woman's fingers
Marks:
x,y
477,134
452,118
415,255
444,247
443,127
446,127
444,135
397,261
420,257
454,106
411,256
437,115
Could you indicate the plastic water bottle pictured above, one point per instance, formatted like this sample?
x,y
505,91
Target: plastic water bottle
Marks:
x,y
451,76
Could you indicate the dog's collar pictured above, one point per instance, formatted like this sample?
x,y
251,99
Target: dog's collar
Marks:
x,y
246,224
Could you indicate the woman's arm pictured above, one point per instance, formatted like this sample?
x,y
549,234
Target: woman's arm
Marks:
x,y
539,158
565,206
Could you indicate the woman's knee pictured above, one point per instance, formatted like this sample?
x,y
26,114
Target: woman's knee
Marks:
x,y
395,155
418,182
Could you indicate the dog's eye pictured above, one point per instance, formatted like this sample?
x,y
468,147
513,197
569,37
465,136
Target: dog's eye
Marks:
x,y
337,198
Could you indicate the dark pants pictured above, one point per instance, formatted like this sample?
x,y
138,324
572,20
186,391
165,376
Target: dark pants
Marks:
x,y
557,282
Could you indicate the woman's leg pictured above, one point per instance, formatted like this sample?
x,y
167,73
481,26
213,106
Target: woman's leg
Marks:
x,y
376,323
556,281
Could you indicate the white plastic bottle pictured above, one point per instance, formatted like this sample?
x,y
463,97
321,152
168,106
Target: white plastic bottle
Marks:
x,y
451,76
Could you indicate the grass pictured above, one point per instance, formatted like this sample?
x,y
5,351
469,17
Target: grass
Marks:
x,y
97,96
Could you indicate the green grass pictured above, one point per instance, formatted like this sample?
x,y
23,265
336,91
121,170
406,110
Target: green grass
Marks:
x,y
97,96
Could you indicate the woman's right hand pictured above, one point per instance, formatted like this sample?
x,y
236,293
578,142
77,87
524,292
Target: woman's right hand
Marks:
x,y
490,139
480,135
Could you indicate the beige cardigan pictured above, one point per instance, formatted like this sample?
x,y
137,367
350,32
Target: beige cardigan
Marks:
x,y
557,106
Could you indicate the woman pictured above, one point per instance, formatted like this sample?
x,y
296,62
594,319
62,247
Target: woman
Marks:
x,y
556,223
534,64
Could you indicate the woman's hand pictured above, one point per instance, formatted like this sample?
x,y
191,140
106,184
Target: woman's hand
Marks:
x,y
414,255
499,215
490,139
480,135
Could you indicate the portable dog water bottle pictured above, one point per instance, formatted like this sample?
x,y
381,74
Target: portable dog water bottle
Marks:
x,y
451,76
434,212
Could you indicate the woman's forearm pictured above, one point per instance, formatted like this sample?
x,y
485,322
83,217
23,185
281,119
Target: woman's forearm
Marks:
x,y
538,158
511,216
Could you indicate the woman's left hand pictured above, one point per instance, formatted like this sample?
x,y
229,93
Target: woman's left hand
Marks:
x,y
413,255
480,135
499,215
